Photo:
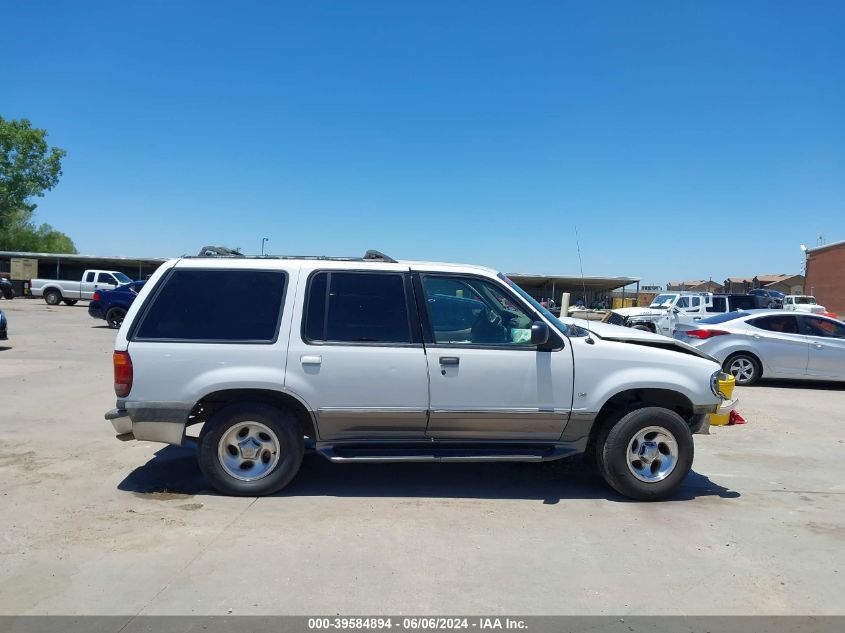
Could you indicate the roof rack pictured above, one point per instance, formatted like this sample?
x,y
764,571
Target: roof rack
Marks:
x,y
369,256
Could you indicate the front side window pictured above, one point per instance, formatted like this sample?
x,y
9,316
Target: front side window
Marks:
x,y
785,324
216,306
814,326
471,311
105,278
357,307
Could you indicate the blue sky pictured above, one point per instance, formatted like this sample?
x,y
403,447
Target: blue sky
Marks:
x,y
685,139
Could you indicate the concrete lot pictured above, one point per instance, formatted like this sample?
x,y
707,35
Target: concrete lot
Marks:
x,y
90,525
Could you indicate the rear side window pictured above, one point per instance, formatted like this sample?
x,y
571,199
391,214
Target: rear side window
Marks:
x,y
743,303
719,305
216,306
785,324
353,307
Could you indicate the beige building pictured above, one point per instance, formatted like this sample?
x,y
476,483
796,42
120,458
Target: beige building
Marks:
x,y
787,284
695,285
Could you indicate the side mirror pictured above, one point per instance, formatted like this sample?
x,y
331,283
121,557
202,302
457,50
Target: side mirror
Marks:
x,y
539,333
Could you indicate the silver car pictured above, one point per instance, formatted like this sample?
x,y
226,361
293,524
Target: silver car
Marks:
x,y
771,343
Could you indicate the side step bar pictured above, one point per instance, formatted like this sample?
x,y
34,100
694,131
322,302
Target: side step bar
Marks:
x,y
370,454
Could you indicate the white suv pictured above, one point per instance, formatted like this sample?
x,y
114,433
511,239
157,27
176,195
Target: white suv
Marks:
x,y
374,360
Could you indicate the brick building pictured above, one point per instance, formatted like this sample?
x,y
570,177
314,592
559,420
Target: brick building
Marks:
x,y
825,275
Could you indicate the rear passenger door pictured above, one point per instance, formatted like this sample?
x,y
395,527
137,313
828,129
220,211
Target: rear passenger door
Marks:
x,y
358,358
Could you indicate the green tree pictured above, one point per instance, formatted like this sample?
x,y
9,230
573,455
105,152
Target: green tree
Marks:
x,y
28,168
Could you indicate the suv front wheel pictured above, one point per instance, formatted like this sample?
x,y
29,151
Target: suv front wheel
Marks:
x,y
250,449
647,453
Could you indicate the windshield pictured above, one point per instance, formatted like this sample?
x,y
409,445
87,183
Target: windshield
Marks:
x,y
806,300
568,330
663,301
123,279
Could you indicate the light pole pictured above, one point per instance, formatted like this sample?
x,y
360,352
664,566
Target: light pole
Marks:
x,y
264,240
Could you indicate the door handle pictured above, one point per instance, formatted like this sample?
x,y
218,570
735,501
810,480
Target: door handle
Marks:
x,y
449,360
757,337
311,360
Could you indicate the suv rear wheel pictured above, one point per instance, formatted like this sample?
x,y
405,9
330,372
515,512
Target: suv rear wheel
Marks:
x,y
646,454
250,449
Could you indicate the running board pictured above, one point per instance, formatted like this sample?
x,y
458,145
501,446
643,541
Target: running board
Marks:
x,y
385,454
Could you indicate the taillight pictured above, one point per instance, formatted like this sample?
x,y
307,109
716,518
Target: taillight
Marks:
x,y
122,374
96,295
705,334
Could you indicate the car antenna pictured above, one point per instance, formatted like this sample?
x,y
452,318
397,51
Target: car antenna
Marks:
x,y
589,338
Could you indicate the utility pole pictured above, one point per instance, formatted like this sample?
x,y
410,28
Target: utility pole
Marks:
x,y
264,240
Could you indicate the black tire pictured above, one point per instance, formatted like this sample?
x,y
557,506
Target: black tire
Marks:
x,y
53,297
280,421
8,292
642,327
744,367
613,453
69,302
114,317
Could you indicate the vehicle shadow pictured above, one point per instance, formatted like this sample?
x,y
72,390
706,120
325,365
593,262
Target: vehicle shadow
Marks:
x,y
3,348
174,470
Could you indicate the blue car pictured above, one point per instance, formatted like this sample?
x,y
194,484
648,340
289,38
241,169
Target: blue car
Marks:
x,y
112,305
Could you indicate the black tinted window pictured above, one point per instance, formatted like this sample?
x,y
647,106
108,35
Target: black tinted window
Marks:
x,y
815,326
216,305
744,302
719,305
359,308
786,324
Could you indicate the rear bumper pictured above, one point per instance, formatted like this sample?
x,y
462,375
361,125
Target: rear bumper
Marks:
x,y
95,310
150,421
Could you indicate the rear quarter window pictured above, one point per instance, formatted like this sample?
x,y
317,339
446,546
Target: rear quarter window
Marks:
x,y
215,306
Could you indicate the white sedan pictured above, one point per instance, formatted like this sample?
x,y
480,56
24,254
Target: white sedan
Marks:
x,y
771,343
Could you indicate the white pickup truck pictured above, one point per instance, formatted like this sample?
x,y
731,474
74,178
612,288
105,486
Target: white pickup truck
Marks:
x,y
803,303
56,291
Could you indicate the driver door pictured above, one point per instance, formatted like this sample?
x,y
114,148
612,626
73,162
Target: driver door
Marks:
x,y
487,381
